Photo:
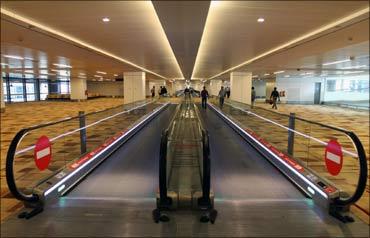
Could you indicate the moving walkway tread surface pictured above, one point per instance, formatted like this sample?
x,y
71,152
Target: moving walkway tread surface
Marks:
x,y
116,194
263,201
122,204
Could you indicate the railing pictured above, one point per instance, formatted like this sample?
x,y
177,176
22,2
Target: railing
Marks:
x,y
165,164
71,140
310,144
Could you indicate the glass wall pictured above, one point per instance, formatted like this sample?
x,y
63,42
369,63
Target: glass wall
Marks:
x,y
44,89
26,88
351,90
16,90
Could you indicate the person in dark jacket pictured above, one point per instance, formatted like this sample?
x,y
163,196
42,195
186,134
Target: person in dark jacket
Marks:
x,y
204,94
227,92
253,96
164,91
274,96
153,91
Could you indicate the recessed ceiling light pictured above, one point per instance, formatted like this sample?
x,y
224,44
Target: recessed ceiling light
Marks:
x,y
287,76
83,74
115,75
106,19
101,72
261,19
266,74
99,76
279,72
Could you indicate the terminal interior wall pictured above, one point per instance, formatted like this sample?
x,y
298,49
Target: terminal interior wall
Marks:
x,y
344,89
105,88
298,90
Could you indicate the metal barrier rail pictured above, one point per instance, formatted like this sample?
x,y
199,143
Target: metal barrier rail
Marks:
x,y
165,201
361,155
33,196
291,168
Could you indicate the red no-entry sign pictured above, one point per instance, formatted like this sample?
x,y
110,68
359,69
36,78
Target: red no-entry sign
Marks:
x,y
42,153
333,157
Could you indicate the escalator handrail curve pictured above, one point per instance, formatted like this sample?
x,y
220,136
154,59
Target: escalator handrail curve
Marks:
x,y
9,168
362,179
363,173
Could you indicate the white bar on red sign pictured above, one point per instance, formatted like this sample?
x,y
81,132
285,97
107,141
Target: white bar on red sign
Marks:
x,y
42,153
333,157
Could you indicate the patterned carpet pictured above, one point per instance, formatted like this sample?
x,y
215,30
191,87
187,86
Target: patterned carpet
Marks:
x,y
21,115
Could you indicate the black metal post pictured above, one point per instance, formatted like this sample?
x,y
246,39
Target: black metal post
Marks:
x,y
164,200
7,80
291,134
82,118
24,88
37,89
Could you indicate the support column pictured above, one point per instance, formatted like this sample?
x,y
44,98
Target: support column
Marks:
x,y
170,88
78,89
241,87
147,89
133,86
2,95
214,87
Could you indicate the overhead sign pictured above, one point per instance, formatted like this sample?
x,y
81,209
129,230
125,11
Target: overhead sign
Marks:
x,y
333,157
42,153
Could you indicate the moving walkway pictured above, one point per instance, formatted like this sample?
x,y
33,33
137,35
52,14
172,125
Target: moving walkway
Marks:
x,y
185,165
116,197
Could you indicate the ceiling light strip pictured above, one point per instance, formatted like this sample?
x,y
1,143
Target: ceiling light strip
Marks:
x,y
296,40
196,63
168,42
73,39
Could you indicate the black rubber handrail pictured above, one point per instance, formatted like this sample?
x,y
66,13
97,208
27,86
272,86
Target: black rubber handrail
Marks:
x,y
205,200
9,168
362,179
164,200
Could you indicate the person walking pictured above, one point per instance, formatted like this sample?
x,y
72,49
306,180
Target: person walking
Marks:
x,y
153,91
228,92
204,94
253,96
274,96
164,91
160,91
221,96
